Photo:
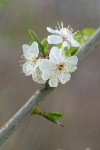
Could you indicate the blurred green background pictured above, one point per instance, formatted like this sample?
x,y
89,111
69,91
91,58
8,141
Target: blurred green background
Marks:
x,y
79,100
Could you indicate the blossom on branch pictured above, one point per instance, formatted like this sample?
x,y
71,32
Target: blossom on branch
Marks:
x,y
57,68
55,65
31,67
62,35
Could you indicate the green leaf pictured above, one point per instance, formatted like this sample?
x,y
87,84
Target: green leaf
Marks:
x,y
45,44
35,38
78,35
73,50
86,34
88,31
49,117
53,115
59,45
67,52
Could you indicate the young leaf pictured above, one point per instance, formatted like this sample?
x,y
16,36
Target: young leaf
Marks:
x,y
45,44
59,45
53,115
78,36
86,34
73,50
35,38
88,31
67,52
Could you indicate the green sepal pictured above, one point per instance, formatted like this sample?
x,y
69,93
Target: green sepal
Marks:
x,y
45,44
35,38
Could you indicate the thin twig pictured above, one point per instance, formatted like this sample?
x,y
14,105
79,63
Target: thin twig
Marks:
x,y
26,110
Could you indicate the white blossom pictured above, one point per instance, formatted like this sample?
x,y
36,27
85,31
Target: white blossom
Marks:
x,y
36,74
57,68
31,67
30,54
62,35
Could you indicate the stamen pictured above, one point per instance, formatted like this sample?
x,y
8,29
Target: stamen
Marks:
x,y
60,66
56,28
59,25
22,60
62,24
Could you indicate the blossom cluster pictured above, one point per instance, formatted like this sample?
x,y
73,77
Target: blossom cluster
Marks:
x,y
55,66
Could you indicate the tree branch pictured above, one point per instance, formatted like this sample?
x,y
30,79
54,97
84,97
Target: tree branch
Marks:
x,y
26,111
89,46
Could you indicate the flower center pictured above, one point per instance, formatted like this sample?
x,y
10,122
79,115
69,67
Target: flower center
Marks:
x,y
61,66
34,59
64,37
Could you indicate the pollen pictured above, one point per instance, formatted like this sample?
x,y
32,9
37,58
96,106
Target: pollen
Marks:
x,y
34,59
61,66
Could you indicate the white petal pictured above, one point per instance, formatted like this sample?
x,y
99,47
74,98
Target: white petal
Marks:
x,y
26,52
74,43
53,82
45,66
45,76
64,77
63,52
73,60
66,44
73,69
27,68
25,47
53,31
55,55
36,76
71,64
54,39
35,49
30,52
